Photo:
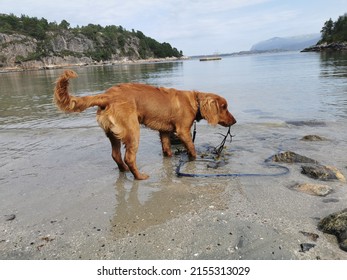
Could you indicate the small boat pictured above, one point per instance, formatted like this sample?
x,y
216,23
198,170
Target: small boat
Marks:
x,y
210,58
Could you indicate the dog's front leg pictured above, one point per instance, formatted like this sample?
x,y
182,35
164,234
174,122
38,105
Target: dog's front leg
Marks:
x,y
186,138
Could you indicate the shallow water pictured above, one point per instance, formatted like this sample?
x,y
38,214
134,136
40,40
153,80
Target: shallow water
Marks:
x,y
57,175
259,88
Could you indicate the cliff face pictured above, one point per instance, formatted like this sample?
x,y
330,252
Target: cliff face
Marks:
x,y
61,49
28,42
12,46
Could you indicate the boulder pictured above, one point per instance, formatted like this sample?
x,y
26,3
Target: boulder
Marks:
x,y
336,224
313,189
313,138
321,172
291,157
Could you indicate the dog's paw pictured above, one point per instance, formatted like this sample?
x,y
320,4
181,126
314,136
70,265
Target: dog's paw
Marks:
x,y
123,168
142,176
191,157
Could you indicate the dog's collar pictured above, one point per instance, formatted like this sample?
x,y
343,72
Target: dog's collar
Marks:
x,y
198,115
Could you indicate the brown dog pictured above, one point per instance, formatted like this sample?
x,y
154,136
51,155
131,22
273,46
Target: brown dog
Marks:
x,y
124,107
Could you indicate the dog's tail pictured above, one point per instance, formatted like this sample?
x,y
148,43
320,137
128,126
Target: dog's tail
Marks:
x,y
70,103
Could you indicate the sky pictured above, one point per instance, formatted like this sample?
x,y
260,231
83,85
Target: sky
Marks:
x,y
194,26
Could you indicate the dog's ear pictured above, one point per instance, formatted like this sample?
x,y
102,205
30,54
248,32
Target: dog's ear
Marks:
x,y
209,110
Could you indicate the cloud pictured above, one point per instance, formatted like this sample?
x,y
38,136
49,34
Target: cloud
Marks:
x,y
195,26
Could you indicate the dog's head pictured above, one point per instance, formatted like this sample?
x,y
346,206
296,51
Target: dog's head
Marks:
x,y
214,109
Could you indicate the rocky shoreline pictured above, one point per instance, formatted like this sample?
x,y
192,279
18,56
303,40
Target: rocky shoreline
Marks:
x,y
335,223
66,62
337,46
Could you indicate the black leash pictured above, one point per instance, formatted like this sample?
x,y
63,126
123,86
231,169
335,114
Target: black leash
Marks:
x,y
218,150
194,131
220,147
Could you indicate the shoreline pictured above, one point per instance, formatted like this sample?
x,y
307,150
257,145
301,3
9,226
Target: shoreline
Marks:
x,y
337,46
87,209
124,61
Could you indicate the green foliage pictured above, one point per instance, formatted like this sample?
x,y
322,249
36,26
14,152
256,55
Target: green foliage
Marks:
x,y
33,27
107,40
334,31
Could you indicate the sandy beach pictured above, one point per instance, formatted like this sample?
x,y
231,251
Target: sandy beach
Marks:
x,y
63,198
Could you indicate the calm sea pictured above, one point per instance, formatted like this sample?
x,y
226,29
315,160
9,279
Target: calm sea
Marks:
x,y
260,88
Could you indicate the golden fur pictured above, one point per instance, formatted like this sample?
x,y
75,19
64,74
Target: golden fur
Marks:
x,y
124,107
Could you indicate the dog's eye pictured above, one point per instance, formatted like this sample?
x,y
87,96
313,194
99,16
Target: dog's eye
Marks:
x,y
224,106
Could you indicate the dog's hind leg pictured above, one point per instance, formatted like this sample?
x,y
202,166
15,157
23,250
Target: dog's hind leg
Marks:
x,y
116,151
165,143
131,142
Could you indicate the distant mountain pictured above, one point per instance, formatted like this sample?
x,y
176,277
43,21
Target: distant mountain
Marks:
x,y
294,43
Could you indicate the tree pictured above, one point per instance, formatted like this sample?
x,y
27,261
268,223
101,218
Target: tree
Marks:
x,y
327,31
64,24
106,41
334,31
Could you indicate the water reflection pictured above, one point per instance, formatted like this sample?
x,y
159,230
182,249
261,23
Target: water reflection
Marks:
x,y
26,98
333,64
285,86
333,67
141,205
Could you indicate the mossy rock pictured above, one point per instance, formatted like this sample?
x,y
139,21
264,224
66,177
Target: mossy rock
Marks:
x,y
336,224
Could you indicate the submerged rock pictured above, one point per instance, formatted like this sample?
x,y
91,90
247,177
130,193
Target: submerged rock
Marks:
x,y
313,189
313,138
321,172
336,224
291,157
216,164
312,123
304,247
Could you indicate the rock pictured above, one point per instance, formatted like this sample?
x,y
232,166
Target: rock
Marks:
x,y
291,157
336,224
321,172
313,138
343,245
310,235
306,123
306,246
335,46
313,189
330,200
10,217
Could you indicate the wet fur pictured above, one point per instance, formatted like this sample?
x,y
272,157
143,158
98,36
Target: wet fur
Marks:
x,y
124,107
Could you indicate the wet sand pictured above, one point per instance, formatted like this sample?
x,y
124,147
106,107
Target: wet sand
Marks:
x,y
70,201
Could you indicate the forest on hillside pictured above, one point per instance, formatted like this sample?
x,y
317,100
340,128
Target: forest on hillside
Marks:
x,y
106,40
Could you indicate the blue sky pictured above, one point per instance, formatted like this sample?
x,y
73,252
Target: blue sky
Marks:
x,y
193,26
